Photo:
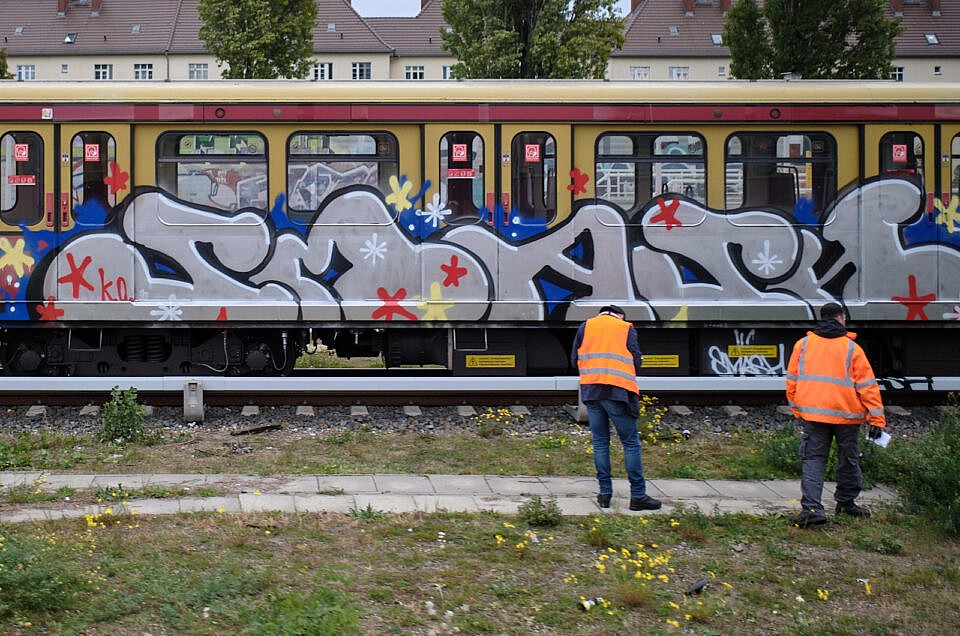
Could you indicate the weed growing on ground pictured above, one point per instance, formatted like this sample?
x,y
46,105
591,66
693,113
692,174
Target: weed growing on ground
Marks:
x,y
494,422
539,513
121,419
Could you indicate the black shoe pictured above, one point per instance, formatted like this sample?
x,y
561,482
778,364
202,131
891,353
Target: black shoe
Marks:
x,y
809,518
852,509
645,503
604,500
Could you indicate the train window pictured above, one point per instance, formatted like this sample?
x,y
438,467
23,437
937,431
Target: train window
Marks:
x,y
901,154
319,163
534,176
461,174
91,154
793,172
955,167
227,171
634,168
21,178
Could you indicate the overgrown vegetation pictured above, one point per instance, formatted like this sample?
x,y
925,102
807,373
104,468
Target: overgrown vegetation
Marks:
x,y
121,420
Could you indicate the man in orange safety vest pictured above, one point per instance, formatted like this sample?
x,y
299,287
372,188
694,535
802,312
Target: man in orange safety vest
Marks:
x,y
831,387
607,355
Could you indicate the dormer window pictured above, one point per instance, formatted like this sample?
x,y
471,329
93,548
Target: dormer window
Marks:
x,y
932,38
18,31
136,29
331,27
717,39
71,37
674,31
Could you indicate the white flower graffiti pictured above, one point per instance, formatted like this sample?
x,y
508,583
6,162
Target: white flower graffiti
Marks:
x,y
372,249
171,310
765,261
435,211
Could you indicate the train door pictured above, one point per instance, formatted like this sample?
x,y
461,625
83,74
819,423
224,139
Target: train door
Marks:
x,y
462,194
26,210
897,205
94,178
533,198
946,215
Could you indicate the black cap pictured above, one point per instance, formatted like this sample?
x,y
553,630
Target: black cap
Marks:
x,y
612,309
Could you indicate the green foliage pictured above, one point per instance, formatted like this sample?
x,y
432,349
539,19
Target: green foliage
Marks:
x,y
539,513
259,39
539,39
35,578
4,71
39,450
846,39
318,611
368,513
926,472
121,419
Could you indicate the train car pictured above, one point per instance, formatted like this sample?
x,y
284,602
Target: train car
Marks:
x,y
165,228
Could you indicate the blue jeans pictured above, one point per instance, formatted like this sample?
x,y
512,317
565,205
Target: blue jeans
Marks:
x,y
601,413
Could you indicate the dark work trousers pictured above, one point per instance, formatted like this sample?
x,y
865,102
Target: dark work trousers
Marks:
x,y
814,449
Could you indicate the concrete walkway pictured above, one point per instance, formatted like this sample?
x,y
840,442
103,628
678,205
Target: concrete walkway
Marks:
x,y
576,496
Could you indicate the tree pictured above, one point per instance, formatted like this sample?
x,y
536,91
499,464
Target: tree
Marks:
x,y
840,39
546,39
259,39
4,71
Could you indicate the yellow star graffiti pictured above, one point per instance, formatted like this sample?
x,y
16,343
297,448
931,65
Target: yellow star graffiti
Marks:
x,y
398,194
950,216
435,308
14,256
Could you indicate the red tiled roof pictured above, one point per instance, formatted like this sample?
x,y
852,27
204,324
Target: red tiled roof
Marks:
x,y
419,35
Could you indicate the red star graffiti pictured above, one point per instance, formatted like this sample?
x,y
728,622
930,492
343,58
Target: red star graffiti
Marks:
x,y
117,179
49,310
667,214
913,302
75,277
580,179
391,305
453,271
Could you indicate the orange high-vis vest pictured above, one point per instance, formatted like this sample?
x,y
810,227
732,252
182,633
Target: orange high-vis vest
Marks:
x,y
603,357
830,380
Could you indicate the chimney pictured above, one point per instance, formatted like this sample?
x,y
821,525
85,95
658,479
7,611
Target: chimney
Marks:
x,y
423,4
688,8
61,8
897,7
634,4
95,7
935,8
725,6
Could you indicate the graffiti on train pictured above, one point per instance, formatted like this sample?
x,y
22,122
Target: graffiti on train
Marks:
x,y
744,357
366,255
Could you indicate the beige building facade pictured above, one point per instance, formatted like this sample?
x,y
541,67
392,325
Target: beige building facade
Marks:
x,y
159,40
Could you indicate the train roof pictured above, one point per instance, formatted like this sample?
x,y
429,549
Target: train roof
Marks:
x,y
484,91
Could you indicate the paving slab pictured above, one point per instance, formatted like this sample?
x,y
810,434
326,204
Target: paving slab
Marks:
x,y
501,505
144,507
450,503
306,484
18,478
785,490
348,484
512,486
224,505
127,481
578,506
172,480
685,488
386,503
459,484
251,502
324,503
52,482
407,484
567,486
741,489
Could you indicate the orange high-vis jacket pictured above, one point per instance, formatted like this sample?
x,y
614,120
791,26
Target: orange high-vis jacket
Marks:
x,y
603,356
830,380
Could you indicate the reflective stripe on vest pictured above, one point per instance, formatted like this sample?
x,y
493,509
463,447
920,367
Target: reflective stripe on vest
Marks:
x,y
603,357
845,387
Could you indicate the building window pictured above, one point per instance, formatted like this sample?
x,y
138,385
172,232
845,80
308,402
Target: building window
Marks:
x,y
198,71
932,39
143,71
226,170
447,72
103,71
361,71
639,72
721,71
938,70
321,163
717,39
461,174
323,71
413,72
26,72
897,73
64,68
679,72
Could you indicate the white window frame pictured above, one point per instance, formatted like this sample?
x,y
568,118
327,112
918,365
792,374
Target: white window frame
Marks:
x,y
680,73
143,71
361,70
198,71
897,73
414,72
447,72
26,72
322,71
103,72
640,73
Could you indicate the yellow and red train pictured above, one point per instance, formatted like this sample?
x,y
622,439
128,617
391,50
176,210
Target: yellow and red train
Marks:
x,y
217,227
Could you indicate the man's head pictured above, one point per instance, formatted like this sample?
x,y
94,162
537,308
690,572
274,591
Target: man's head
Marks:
x,y
832,311
613,310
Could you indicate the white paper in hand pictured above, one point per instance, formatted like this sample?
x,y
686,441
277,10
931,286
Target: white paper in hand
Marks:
x,y
881,441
